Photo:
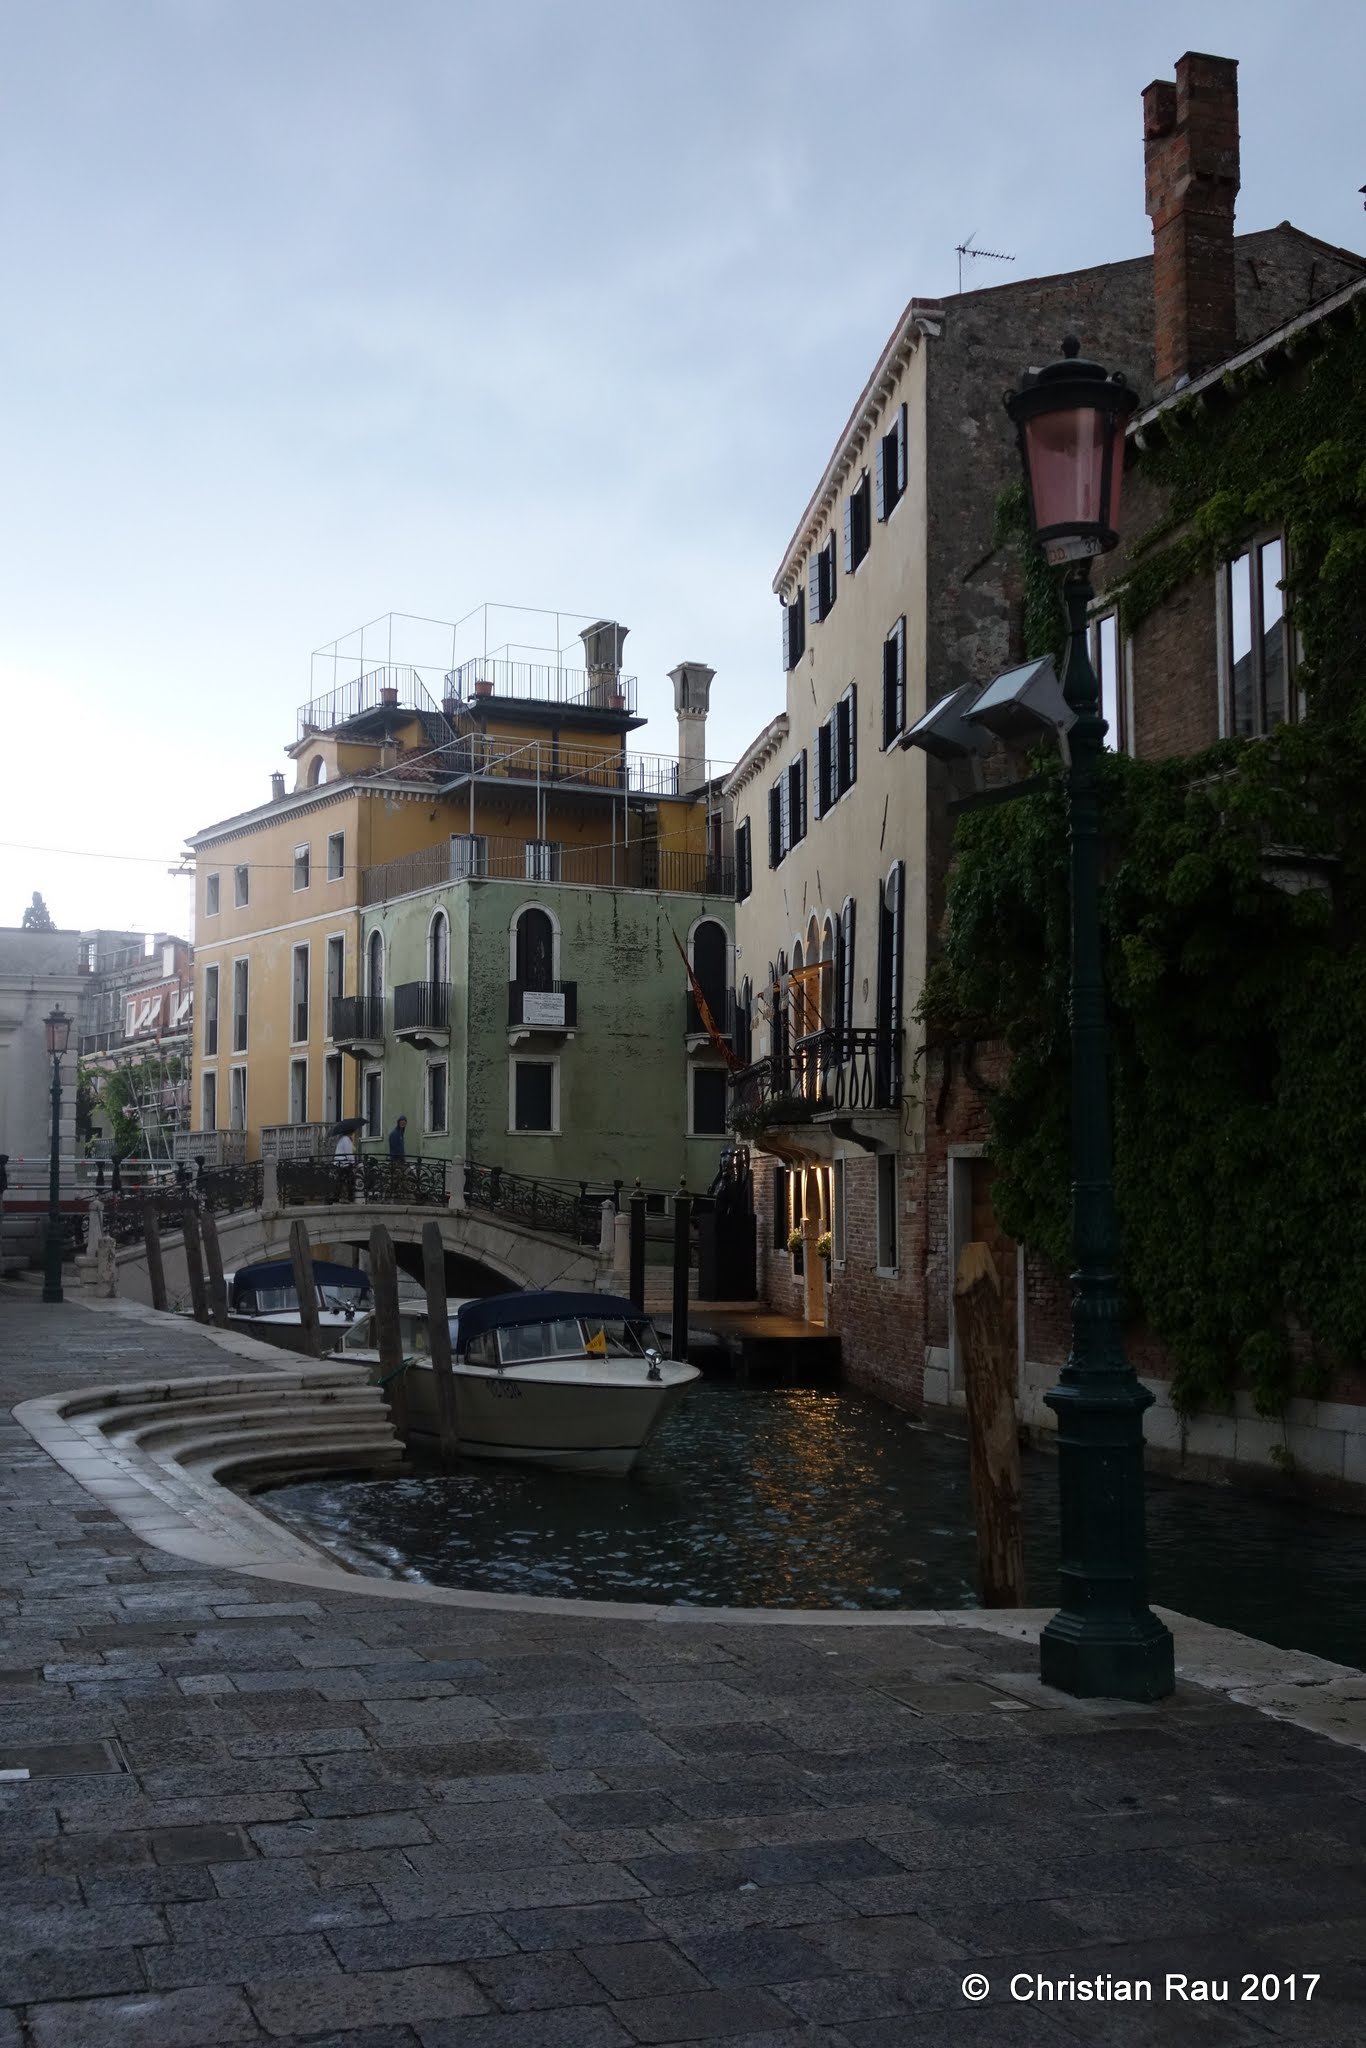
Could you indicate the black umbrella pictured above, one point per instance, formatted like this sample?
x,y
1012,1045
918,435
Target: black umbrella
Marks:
x,y
347,1125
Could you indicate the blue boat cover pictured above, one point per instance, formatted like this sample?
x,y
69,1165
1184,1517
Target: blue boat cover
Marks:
x,y
280,1273
497,1311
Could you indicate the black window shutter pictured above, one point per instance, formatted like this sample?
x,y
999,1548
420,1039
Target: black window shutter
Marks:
x,y
878,468
830,574
849,535
900,637
813,577
846,998
890,726
775,827
898,937
824,796
901,451
784,813
787,637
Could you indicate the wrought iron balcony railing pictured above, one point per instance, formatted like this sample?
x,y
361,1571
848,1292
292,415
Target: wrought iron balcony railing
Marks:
x,y
827,1072
552,1008
635,865
406,1183
422,1006
357,1019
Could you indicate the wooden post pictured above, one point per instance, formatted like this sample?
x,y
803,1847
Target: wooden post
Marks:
x,y
151,1237
384,1285
637,1269
993,1441
194,1261
213,1260
305,1287
439,1337
678,1336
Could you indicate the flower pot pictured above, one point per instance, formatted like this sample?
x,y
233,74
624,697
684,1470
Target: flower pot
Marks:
x,y
483,687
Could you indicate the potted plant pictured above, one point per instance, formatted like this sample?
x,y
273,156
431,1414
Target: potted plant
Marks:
x,y
824,1246
483,686
795,1239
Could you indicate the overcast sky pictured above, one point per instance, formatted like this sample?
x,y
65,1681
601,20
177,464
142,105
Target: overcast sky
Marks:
x,y
316,309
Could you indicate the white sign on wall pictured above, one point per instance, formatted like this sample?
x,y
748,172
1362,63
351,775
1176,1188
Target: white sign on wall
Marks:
x,y
540,1006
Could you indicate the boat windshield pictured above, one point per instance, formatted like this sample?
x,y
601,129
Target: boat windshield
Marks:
x,y
363,1335
575,1336
338,1299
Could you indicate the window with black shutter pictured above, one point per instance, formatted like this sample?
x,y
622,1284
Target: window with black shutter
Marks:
x,y
894,682
846,744
794,633
744,863
825,757
821,577
775,826
891,466
858,524
796,800
784,813
845,995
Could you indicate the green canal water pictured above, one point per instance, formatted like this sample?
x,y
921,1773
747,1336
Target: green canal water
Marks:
x,y
798,1498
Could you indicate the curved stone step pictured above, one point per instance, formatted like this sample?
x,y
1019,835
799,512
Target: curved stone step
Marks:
x,y
148,1427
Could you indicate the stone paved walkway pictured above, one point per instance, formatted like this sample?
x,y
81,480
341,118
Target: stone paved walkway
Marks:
x,y
371,1824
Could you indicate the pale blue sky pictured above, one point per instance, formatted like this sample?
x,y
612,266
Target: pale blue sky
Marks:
x,y
315,309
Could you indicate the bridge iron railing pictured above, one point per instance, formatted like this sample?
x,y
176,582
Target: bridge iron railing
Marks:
x,y
409,1183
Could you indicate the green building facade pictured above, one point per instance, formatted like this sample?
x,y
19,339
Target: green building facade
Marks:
x,y
549,1029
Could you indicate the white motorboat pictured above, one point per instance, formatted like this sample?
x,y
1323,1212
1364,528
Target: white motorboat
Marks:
x,y
263,1302
573,1381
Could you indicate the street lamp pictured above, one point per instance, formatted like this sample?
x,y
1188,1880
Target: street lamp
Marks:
x,y
57,1027
1104,1641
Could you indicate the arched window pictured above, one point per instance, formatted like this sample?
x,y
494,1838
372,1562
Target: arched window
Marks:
x,y
891,940
317,771
374,965
535,949
439,948
710,949
829,978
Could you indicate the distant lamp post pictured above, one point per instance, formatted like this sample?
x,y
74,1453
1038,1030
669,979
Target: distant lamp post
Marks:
x,y
1104,1642
57,1027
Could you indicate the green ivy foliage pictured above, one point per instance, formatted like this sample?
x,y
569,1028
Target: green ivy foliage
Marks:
x,y
1237,1009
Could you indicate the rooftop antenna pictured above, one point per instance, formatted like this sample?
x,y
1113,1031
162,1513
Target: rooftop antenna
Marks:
x,y
965,248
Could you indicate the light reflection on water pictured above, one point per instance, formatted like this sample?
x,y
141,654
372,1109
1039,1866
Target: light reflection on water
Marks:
x,y
798,1498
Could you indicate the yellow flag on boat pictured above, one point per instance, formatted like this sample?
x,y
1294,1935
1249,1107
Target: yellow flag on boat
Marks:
x,y
597,1344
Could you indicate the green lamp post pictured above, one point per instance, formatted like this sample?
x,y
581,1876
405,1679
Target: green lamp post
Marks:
x,y
57,1028
1104,1641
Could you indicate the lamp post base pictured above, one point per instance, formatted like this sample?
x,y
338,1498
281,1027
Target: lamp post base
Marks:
x,y
1108,1656
52,1268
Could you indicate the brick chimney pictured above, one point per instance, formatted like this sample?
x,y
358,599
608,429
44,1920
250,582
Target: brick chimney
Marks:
x,y
1190,158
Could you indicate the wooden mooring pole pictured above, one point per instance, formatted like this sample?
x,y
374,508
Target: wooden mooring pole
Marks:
x,y
439,1337
637,1282
384,1285
993,1438
678,1336
305,1287
156,1271
194,1260
213,1260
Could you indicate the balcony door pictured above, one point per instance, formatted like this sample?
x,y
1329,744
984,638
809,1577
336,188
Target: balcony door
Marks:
x,y
535,950
374,967
890,950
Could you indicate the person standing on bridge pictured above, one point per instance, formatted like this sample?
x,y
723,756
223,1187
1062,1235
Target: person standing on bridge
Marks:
x,y
398,1147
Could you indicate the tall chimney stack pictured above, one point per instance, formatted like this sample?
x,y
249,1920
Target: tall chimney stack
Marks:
x,y
277,787
602,645
692,682
1190,159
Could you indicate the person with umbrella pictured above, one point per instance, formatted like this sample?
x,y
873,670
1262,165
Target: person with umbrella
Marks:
x,y
345,1154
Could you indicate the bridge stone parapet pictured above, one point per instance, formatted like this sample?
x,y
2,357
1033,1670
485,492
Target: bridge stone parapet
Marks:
x,y
510,1254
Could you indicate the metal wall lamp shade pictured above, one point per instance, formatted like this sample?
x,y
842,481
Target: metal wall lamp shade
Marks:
x,y
1069,419
1022,703
943,731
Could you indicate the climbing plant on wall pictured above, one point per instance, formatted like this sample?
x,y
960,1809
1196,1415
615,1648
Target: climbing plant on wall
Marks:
x,y
1237,1007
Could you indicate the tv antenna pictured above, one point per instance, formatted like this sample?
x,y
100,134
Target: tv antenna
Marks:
x,y
965,248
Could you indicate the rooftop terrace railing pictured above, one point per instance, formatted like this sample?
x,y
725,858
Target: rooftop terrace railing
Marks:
x,y
636,865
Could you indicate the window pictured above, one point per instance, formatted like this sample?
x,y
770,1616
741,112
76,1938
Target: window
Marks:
x,y
844,970
837,1211
336,856
332,1088
886,1212
535,1095
780,1206
298,1091
469,855
744,862
439,949
533,949
825,767
302,859
374,962
794,633
1257,660
776,797
787,810
239,1008
821,579
241,887
543,860
890,468
894,683
1105,660
891,942
237,1099
858,524
210,1016
299,999
709,1102
211,896
372,1097
208,1098
837,752
436,1098
336,977
709,954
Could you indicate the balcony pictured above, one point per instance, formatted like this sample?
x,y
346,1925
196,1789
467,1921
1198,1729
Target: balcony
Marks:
x,y
721,1003
836,1087
296,1141
636,865
554,1008
357,1025
215,1148
422,1014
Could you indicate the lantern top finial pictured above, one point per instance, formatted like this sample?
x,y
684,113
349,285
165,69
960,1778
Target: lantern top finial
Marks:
x,y
1070,346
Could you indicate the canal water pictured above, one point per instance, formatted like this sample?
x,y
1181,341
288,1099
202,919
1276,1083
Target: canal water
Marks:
x,y
801,1498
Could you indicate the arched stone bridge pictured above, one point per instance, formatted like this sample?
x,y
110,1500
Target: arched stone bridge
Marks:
x,y
485,1252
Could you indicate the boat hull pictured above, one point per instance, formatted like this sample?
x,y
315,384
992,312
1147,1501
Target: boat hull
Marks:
x,y
564,1426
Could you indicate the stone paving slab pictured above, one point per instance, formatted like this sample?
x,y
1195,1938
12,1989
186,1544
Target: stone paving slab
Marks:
x,y
302,1812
